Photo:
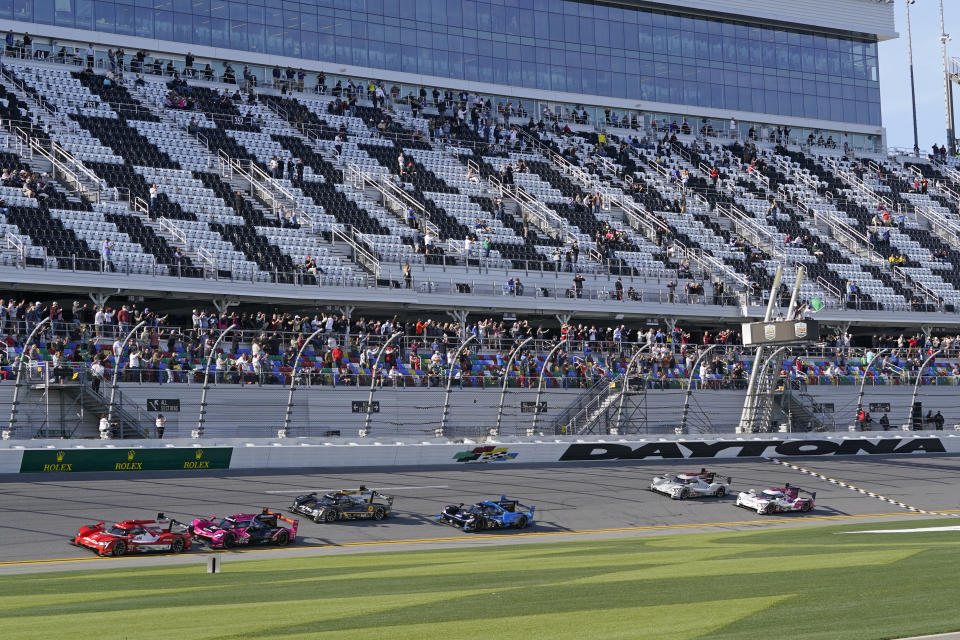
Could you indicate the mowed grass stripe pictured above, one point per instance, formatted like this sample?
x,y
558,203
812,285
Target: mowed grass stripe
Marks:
x,y
719,585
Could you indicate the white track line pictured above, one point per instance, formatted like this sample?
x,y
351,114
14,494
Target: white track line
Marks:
x,y
859,490
430,486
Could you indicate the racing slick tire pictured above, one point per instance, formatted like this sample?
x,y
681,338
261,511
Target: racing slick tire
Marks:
x,y
229,541
480,525
330,516
177,545
769,510
522,522
283,538
119,548
684,494
721,491
805,507
379,513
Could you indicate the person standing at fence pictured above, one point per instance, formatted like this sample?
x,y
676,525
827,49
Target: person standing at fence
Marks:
x,y
97,371
160,423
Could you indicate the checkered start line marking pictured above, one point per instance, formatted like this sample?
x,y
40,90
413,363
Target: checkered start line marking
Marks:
x,y
857,489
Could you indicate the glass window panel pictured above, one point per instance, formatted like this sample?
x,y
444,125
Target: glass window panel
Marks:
x,y
163,26
238,35
201,32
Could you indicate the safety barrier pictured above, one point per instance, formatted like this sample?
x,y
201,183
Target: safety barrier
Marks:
x,y
317,454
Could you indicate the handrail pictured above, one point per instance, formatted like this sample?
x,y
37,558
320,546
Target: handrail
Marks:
x,y
710,264
361,256
22,85
829,288
204,254
58,169
395,199
750,229
17,243
953,174
929,294
947,229
261,176
860,186
69,158
943,188
565,166
167,225
548,220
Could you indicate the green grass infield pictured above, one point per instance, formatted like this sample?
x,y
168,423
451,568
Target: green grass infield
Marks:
x,y
798,583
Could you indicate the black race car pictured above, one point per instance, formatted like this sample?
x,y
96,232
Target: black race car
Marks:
x,y
361,504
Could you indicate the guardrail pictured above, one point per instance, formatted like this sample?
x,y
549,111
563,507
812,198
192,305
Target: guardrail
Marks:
x,y
361,255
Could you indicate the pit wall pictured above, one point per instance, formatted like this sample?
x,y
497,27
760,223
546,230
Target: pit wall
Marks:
x,y
186,456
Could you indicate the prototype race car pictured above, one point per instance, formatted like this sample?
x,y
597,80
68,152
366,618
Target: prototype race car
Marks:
x,y
135,536
690,485
490,514
344,505
777,500
265,527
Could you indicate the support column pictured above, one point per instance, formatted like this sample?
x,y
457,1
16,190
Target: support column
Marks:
x,y
563,318
460,315
927,330
99,299
223,303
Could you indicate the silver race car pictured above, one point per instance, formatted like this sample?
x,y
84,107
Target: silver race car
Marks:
x,y
691,485
777,500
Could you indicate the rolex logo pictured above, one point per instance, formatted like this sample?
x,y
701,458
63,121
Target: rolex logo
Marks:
x,y
131,455
199,453
60,455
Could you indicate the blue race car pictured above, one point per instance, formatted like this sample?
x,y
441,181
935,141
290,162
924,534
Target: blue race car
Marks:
x,y
490,514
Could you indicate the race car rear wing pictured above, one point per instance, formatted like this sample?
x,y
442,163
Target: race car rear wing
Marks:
x,y
512,504
369,495
281,518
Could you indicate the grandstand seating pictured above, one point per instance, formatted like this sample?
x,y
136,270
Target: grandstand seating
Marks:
x,y
722,230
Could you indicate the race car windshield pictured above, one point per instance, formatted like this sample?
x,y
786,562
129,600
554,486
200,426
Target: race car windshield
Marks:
x,y
226,523
118,531
475,509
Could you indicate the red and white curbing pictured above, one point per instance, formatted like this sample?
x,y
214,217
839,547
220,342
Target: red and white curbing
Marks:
x,y
853,487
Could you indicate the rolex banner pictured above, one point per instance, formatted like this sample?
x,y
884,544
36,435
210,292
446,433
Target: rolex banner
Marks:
x,y
124,460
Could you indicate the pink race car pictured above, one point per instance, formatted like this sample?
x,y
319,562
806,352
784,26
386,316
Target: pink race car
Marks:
x,y
777,500
239,529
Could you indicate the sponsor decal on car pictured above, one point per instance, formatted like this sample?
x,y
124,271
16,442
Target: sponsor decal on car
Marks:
x,y
127,461
758,448
486,454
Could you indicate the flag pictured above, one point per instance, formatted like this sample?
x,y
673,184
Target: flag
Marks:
x,y
816,304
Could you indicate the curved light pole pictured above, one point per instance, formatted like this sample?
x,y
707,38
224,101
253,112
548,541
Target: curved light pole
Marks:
x,y
686,398
206,380
446,397
118,357
543,370
626,382
864,380
373,381
916,385
759,372
16,389
506,377
293,381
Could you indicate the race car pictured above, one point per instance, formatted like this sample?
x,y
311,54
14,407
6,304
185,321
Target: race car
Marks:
x,y
777,500
265,527
135,536
361,504
490,514
690,485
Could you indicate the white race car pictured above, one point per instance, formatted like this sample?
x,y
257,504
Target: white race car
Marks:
x,y
776,500
690,485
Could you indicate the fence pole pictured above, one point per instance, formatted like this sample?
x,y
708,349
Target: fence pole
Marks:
x,y
446,397
16,389
864,379
686,398
293,382
506,377
916,385
206,381
543,370
117,358
373,380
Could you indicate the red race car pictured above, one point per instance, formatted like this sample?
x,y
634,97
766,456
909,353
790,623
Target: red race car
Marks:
x,y
135,536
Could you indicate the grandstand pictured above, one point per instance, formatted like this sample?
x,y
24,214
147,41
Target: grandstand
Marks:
x,y
593,176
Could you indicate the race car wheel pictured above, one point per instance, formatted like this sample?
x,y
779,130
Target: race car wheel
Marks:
x,y
119,548
522,522
805,507
684,494
229,541
177,545
721,492
330,516
283,538
770,509
379,513
480,525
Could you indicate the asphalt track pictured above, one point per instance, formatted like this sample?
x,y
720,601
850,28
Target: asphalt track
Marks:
x,y
573,500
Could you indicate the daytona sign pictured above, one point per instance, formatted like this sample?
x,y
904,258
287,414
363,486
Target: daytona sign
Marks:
x,y
753,449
